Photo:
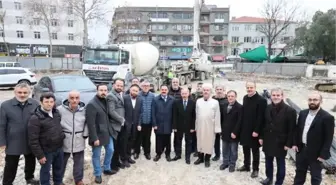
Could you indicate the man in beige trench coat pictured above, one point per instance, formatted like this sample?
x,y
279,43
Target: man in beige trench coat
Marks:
x,y
207,125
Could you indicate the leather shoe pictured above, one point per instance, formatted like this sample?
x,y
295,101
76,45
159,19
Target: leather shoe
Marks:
x,y
176,158
207,164
121,165
131,161
196,154
126,164
198,161
136,156
168,158
98,179
216,158
148,157
110,172
33,182
157,158
231,169
223,166
267,182
254,174
243,169
187,161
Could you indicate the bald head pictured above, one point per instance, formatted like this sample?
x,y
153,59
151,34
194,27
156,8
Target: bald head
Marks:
x,y
314,101
74,99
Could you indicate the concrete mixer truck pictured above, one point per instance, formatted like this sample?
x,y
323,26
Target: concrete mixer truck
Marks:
x,y
105,63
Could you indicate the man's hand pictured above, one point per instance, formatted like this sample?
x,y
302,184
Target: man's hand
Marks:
x,y
155,128
3,147
174,130
233,136
320,159
43,160
295,148
254,134
96,143
139,128
261,142
191,131
286,148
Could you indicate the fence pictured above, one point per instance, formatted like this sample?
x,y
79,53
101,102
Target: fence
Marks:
x,y
283,69
37,63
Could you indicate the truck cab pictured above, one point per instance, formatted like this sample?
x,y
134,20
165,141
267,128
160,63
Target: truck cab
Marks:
x,y
103,64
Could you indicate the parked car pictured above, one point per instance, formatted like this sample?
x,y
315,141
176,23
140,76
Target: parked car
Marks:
x,y
61,85
10,64
11,76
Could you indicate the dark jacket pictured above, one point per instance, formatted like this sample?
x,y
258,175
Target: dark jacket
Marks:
x,y
278,130
196,95
221,101
175,93
162,114
184,120
319,136
132,115
146,109
14,124
231,121
98,122
45,133
116,112
252,119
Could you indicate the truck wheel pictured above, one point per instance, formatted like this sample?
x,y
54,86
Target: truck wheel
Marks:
x,y
188,79
207,75
182,80
202,76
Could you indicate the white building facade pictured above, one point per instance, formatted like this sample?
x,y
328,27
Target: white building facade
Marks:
x,y
29,35
244,36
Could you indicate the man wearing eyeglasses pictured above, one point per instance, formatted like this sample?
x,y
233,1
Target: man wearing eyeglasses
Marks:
x,y
14,117
75,129
312,140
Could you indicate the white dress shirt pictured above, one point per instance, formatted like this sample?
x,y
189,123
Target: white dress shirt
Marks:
x,y
308,122
133,102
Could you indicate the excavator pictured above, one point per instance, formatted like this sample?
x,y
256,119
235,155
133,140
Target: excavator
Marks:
x,y
329,86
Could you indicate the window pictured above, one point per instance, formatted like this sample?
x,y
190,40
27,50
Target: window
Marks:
x,y
159,27
3,71
262,40
247,39
15,71
159,15
70,10
219,16
256,39
183,15
248,27
219,27
37,35
70,36
52,9
0,4
17,6
258,27
54,36
2,33
187,27
68,83
19,20
19,34
247,49
70,23
235,28
234,39
54,22
176,38
161,38
186,38
36,21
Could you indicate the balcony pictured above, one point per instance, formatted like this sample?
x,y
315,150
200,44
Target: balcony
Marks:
x,y
219,21
130,31
176,43
159,19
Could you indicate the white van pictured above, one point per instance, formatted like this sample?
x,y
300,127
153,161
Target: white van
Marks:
x,y
10,64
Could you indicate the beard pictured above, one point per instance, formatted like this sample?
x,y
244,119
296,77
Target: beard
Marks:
x,y
134,95
314,106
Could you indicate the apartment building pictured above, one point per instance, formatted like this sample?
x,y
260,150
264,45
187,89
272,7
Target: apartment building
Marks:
x,y
28,37
171,29
244,36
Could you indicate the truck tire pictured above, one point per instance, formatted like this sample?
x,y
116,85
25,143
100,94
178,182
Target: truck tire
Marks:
x,y
202,76
182,80
207,75
188,79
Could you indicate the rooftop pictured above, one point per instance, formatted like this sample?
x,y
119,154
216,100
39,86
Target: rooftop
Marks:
x,y
247,19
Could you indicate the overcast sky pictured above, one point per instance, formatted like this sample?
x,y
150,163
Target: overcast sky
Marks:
x,y
99,33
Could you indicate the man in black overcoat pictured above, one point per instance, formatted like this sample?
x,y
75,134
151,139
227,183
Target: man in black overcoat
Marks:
x,y
276,136
253,117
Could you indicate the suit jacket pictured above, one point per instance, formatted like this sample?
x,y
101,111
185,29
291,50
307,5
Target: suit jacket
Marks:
x,y
231,121
184,120
319,136
116,110
98,122
132,115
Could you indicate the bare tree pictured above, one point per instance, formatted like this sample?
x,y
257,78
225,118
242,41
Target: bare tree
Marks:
x,y
126,22
88,11
278,16
2,28
44,13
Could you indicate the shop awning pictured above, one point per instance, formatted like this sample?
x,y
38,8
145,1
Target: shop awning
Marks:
x,y
256,55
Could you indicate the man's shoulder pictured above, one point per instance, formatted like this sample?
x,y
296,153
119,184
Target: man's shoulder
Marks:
x,y
326,114
6,103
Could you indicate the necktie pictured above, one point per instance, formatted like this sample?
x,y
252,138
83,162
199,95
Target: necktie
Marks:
x,y
185,105
165,98
229,107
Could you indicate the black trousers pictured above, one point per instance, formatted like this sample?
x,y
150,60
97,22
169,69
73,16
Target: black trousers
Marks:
x,y
127,140
178,136
255,155
117,145
11,165
217,145
302,163
163,144
143,139
78,165
193,142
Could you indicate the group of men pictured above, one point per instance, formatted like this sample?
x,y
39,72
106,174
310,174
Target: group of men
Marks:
x,y
122,122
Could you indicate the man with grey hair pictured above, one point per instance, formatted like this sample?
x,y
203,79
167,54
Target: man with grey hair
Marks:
x,y
175,89
207,125
276,136
14,116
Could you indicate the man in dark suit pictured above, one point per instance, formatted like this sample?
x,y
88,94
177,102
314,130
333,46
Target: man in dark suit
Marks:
x,y
184,116
132,104
116,113
312,140
97,117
